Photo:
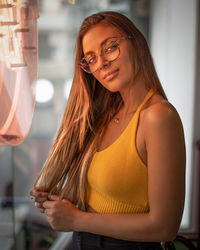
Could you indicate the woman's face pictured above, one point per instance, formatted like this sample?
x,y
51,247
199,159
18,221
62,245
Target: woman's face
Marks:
x,y
114,75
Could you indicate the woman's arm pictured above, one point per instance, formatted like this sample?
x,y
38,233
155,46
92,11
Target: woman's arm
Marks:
x,y
166,184
165,146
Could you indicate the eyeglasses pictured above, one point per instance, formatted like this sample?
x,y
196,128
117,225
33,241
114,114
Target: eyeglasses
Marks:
x,y
110,51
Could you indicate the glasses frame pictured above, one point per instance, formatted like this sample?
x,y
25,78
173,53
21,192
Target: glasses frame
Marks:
x,y
117,39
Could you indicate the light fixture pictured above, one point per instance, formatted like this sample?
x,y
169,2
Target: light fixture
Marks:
x,y
44,91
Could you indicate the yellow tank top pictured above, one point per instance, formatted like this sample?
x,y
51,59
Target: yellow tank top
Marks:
x,y
117,177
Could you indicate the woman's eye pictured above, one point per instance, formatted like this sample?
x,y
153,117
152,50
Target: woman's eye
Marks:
x,y
91,60
111,48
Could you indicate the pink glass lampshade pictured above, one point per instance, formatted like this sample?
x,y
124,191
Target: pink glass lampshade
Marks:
x,y
18,68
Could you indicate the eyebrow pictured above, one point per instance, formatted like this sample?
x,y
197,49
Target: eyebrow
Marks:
x,y
90,52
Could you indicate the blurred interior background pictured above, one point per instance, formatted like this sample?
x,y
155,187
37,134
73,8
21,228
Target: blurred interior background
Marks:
x,y
173,33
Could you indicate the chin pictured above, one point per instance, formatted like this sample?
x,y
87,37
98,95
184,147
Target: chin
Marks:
x,y
113,90
113,86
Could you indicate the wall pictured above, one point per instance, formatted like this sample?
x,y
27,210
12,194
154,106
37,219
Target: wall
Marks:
x,y
174,46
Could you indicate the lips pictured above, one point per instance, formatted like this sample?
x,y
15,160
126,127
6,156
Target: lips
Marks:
x,y
111,74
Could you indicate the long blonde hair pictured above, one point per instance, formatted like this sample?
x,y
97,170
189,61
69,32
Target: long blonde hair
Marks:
x,y
89,109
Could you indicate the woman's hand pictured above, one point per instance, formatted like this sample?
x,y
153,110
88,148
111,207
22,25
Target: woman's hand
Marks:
x,y
38,195
61,215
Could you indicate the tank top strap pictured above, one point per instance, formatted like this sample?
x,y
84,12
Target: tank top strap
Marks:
x,y
147,97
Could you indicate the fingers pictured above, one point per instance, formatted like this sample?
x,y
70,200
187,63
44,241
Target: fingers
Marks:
x,y
34,191
41,210
48,204
47,212
53,197
41,199
38,205
38,196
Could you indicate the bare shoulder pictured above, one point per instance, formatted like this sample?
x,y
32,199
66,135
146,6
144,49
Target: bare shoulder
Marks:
x,y
161,123
161,113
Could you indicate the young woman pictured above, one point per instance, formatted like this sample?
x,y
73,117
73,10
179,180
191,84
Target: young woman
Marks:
x,y
116,172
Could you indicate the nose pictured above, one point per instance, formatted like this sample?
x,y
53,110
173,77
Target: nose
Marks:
x,y
103,63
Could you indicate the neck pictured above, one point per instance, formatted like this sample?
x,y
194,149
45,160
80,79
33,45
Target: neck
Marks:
x,y
132,97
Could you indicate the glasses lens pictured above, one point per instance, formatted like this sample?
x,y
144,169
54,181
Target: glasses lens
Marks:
x,y
85,65
89,63
109,51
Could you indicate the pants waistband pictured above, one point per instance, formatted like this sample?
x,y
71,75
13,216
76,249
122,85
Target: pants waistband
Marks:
x,y
106,241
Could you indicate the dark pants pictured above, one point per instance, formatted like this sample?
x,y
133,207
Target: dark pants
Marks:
x,y
89,241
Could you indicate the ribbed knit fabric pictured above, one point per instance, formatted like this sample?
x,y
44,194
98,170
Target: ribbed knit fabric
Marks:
x,y
117,177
